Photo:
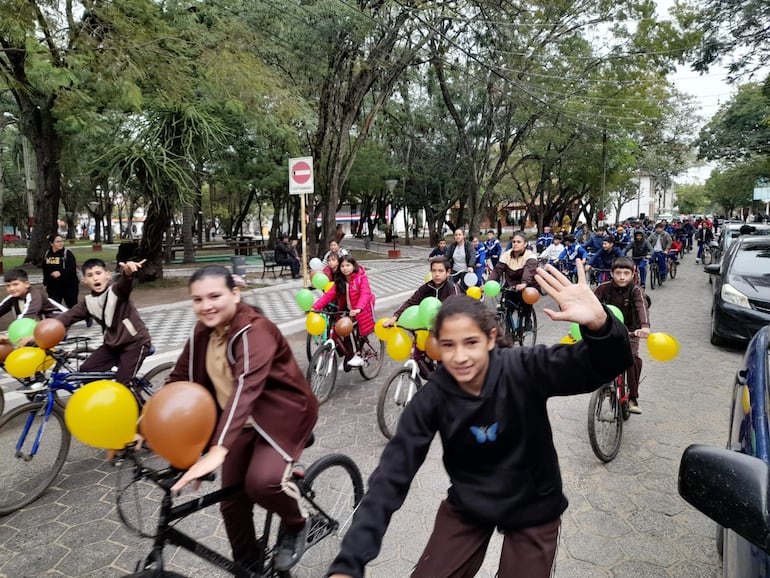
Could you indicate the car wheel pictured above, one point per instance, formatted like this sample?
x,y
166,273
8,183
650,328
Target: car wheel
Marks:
x,y
715,339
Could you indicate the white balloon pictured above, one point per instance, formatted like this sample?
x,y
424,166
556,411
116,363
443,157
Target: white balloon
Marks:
x,y
316,264
470,279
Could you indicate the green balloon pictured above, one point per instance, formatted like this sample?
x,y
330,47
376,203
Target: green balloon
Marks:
x,y
491,288
617,312
305,299
428,310
20,329
574,331
410,318
320,280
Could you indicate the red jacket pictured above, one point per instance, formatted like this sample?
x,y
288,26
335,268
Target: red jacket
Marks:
x,y
268,385
361,297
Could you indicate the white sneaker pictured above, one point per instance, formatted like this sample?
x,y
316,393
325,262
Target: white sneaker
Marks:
x,y
31,387
697,261
356,361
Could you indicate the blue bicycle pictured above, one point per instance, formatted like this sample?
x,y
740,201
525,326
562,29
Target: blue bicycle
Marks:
x,y
34,440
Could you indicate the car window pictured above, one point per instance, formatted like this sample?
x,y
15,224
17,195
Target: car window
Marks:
x,y
751,261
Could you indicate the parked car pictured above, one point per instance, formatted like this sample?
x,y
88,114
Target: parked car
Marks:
x,y
741,304
731,231
732,486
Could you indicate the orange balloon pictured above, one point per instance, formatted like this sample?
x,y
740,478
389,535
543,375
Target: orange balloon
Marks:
x,y
344,326
178,422
432,348
5,349
48,333
530,295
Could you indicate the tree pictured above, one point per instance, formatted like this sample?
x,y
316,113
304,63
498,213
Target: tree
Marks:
x,y
733,187
740,129
691,198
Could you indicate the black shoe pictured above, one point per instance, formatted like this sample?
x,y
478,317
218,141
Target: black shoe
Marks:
x,y
290,549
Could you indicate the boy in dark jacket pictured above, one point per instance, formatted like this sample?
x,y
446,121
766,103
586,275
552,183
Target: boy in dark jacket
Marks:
x,y
629,298
25,300
440,286
126,339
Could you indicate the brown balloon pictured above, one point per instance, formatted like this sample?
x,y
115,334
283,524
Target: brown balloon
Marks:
x,y
432,348
49,333
530,295
178,421
344,326
5,349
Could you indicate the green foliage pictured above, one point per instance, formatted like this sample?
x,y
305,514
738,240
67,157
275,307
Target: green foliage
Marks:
x,y
734,186
692,198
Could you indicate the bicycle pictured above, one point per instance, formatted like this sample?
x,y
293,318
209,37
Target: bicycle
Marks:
x,y
399,390
672,265
322,369
607,410
30,462
598,276
513,323
313,342
653,273
331,489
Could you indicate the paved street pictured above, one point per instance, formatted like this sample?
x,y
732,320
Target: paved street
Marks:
x,y
625,518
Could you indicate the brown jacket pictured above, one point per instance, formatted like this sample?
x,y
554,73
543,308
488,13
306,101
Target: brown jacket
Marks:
x,y
268,384
35,305
512,270
630,301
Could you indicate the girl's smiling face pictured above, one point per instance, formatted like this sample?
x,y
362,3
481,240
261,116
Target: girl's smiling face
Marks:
x,y
213,301
465,351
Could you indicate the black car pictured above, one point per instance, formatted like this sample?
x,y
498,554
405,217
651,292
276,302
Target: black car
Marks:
x,y
741,304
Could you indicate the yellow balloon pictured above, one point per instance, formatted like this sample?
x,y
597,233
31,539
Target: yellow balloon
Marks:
x,y
102,414
746,400
399,345
428,277
25,362
382,333
568,339
329,285
315,323
662,346
421,338
474,292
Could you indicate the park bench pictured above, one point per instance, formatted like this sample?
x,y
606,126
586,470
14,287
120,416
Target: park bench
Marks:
x,y
269,264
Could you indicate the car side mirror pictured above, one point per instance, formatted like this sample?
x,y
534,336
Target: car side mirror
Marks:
x,y
731,488
712,269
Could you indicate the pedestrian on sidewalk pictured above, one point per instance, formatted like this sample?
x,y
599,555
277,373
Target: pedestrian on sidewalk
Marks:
x,y
488,404
60,272
286,254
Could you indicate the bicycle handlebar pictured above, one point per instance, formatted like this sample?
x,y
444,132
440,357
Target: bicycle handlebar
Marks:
x,y
165,478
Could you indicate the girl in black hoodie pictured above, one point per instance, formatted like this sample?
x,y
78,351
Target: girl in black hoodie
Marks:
x,y
488,404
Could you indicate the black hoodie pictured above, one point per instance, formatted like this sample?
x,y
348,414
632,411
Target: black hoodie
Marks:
x,y
497,447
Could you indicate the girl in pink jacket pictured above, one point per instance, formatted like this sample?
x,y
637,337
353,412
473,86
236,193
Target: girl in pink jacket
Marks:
x,y
352,292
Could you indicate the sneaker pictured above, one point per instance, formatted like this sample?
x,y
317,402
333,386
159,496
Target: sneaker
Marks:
x,y
697,261
633,407
290,549
31,387
356,361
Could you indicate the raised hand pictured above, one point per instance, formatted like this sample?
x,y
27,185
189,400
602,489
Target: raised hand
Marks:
x,y
131,267
577,303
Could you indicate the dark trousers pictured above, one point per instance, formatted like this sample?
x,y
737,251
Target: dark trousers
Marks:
x,y
456,549
634,372
128,361
265,475
291,262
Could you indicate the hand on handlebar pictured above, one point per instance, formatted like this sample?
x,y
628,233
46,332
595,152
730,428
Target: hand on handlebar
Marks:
x,y
643,333
389,322
207,464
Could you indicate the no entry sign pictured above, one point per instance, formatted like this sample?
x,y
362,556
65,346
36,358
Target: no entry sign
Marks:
x,y
300,175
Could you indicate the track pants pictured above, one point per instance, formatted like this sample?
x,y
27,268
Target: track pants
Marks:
x,y
456,549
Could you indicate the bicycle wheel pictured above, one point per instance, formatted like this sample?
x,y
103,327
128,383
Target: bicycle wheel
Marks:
x,y
672,269
652,274
333,488
392,399
373,353
24,477
322,372
707,256
312,343
146,385
529,336
605,426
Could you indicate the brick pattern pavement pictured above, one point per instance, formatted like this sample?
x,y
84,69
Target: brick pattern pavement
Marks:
x,y
624,519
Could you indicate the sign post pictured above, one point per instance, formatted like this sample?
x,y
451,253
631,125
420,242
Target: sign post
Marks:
x,y
301,183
